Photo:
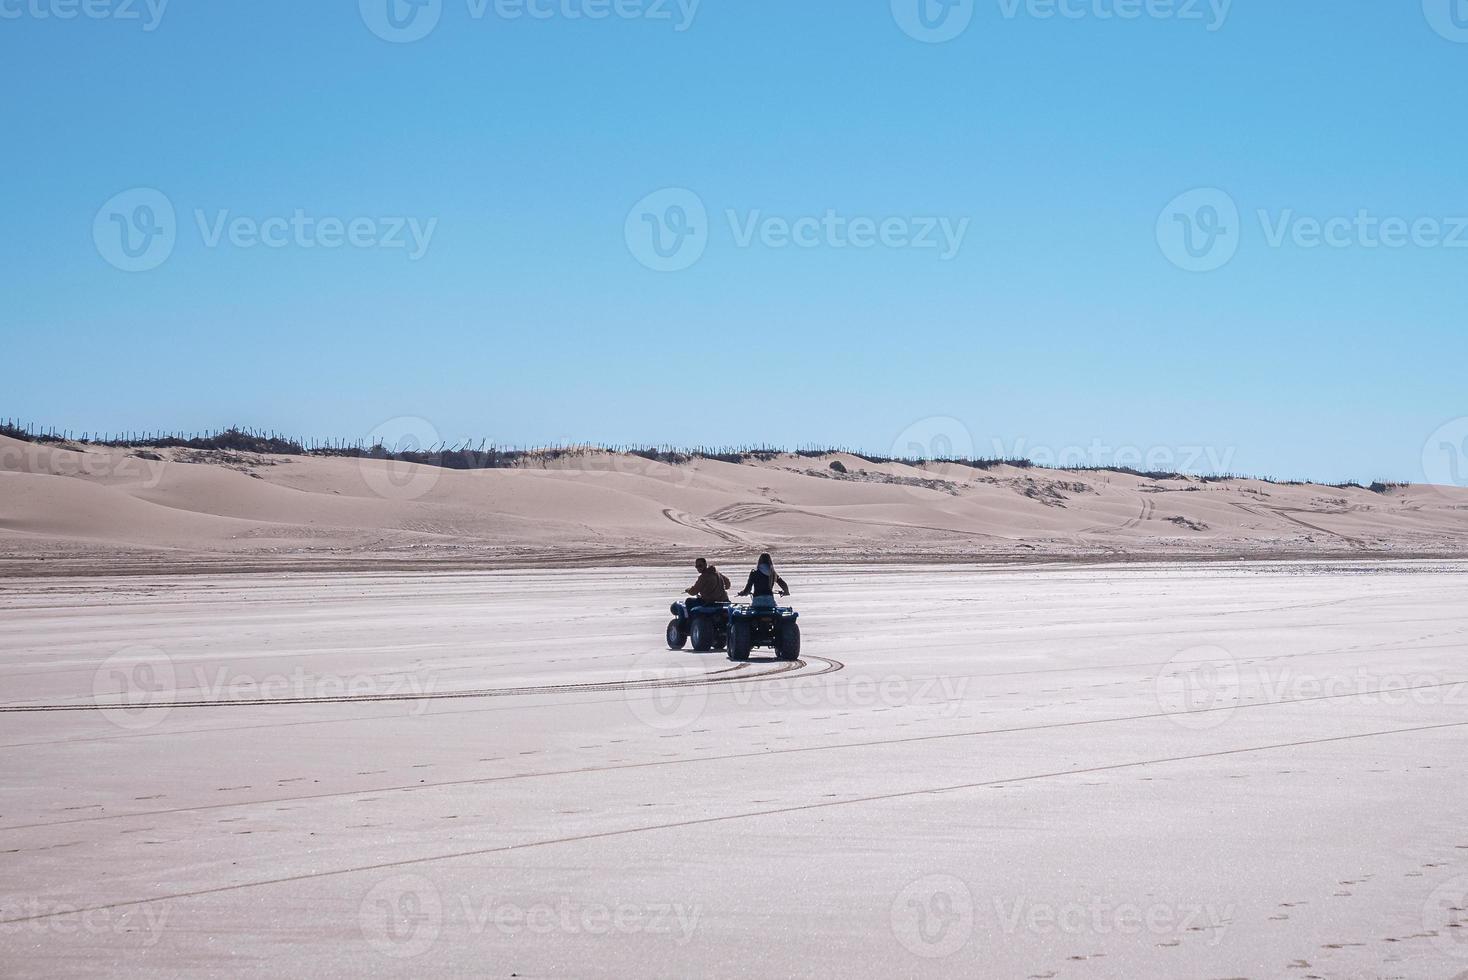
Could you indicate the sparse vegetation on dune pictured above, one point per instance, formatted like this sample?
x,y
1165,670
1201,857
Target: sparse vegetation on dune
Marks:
x,y
468,456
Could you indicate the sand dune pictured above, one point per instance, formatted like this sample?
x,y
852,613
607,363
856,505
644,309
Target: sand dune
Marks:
x,y
99,505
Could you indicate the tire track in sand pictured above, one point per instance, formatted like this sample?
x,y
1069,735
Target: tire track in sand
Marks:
x,y
729,675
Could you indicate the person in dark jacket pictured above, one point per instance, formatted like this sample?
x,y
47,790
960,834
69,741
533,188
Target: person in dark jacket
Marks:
x,y
762,582
710,587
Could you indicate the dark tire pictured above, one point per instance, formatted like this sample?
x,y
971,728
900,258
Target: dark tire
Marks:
x,y
702,633
676,636
789,642
740,641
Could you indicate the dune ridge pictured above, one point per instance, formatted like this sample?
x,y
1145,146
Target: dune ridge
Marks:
x,y
71,505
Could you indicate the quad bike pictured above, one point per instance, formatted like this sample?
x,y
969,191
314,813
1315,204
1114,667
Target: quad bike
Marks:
x,y
707,625
764,626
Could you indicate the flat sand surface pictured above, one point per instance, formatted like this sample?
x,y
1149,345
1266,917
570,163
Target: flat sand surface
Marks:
x,y
1143,770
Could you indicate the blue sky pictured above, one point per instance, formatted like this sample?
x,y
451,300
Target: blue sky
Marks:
x,y
532,152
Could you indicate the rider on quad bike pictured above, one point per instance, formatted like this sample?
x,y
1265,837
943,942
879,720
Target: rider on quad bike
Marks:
x,y
762,582
712,586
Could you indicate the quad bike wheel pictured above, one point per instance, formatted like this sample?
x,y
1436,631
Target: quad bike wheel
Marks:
x,y
788,646
702,633
676,635
740,641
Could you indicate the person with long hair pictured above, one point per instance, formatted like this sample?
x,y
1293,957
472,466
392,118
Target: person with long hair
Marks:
x,y
763,582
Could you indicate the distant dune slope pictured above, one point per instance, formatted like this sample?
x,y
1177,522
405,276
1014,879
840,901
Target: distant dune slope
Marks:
x,y
100,505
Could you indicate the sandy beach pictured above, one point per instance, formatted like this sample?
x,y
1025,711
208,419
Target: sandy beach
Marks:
x,y
414,412
1116,770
